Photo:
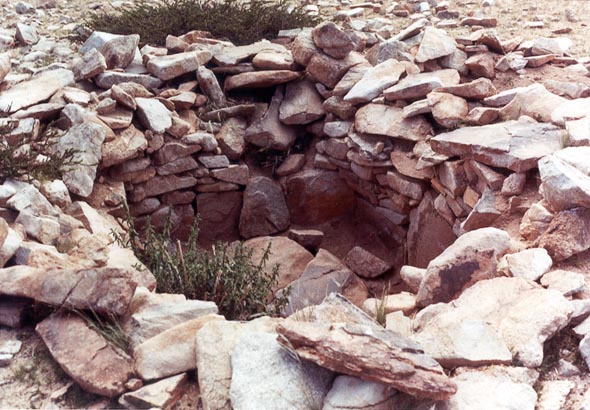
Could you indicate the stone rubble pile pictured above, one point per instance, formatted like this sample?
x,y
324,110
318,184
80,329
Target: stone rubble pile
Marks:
x,y
482,192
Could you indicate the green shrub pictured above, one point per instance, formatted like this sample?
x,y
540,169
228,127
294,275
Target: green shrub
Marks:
x,y
33,159
238,21
227,275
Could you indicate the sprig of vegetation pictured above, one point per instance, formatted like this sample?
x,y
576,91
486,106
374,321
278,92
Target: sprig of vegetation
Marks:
x,y
242,22
30,158
110,328
227,275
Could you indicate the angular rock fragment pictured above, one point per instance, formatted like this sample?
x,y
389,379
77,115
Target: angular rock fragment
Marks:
x,y
162,394
374,81
322,276
153,114
119,51
567,234
268,131
334,41
302,104
435,43
260,79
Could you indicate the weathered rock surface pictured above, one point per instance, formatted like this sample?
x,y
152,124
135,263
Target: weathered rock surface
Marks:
x,y
170,352
564,185
358,350
315,196
98,368
473,257
356,394
215,343
85,141
154,319
264,209
162,394
513,144
38,89
374,81
520,312
479,389
291,257
266,376
567,234
322,276
104,290
389,121
364,263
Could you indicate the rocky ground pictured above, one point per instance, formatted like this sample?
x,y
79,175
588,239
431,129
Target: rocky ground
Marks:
x,y
427,161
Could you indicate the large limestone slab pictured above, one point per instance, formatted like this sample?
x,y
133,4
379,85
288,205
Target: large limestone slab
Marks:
x,y
38,89
214,344
85,356
534,101
105,290
170,352
521,313
473,257
265,376
490,390
516,145
388,120
151,320
358,350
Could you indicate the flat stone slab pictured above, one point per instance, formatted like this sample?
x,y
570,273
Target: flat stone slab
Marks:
x,y
260,79
38,89
105,290
359,350
387,120
516,145
84,355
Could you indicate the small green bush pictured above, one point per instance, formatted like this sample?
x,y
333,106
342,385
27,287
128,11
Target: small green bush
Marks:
x,y
238,21
227,275
33,159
